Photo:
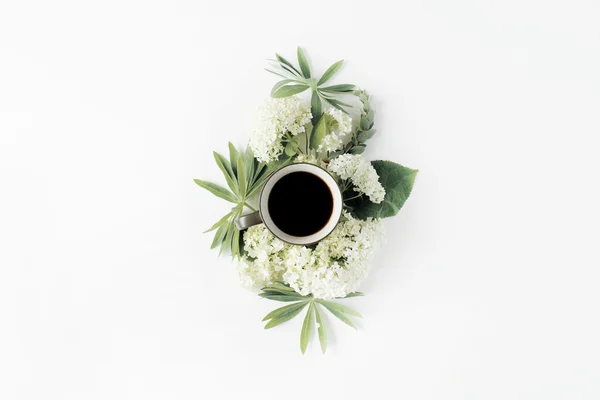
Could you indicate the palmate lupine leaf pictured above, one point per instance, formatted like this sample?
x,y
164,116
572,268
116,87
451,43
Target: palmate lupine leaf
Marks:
x,y
245,176
283,293
297,80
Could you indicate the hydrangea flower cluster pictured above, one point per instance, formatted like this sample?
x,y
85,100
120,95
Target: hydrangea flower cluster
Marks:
x,y
339,132
276,118
361,173
334,268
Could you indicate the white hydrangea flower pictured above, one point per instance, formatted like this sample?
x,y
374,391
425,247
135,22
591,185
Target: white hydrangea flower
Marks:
x,y
333,269
275,118
361,173
341,129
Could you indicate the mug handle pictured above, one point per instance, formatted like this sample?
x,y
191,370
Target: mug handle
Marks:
x,y
246,221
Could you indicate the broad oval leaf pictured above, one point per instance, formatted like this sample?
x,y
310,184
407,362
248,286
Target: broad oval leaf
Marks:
x,y
397,181
288,90
365,123
331,71
291,149
366,135
217,190
357,149
303,63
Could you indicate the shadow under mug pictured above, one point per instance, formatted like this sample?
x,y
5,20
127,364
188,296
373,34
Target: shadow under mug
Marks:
x,y
263,215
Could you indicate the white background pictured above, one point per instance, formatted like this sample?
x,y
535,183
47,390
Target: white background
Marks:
x,y
488,287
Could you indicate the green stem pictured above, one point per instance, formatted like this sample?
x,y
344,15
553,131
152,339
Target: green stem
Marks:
x,y
354,197
249,206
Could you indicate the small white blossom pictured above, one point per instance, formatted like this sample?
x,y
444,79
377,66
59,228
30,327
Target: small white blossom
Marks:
x,y
341,128
333,269
275,118
361,173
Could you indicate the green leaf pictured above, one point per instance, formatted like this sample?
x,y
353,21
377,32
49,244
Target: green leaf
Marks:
x,y
217,190
316,107
219,222
397,181
303,63
366,135
235,242
289,90
281,297
276,73
365,124
357,150
249,166
321,329
331,71
286,62
336,104
340,307
291,149
233,156
354,294
284,314
241,171
307,328
272,167
319,132
281,287
338,314
341,88
219,236
226,245
280,84
227,171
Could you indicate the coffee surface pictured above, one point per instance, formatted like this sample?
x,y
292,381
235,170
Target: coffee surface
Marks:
x,y
300,204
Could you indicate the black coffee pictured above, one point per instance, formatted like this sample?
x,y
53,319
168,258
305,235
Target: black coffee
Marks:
x,y
300,204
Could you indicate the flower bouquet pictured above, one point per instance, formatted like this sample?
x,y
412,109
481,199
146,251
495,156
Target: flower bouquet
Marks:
x,y
325,127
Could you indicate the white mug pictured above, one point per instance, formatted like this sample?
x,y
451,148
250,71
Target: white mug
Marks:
x,y
263,215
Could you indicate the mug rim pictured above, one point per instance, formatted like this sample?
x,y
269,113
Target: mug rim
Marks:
x,y
339,215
